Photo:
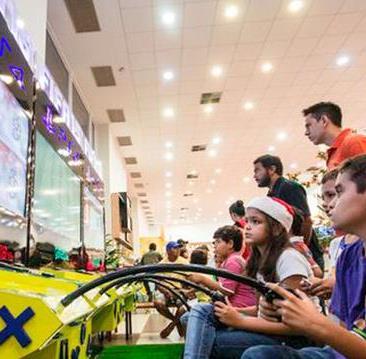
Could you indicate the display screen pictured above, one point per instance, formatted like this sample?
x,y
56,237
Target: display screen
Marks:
x,y
56,209
93,222
14,132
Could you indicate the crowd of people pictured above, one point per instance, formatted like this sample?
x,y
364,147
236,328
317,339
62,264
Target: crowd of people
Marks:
x,y
322,310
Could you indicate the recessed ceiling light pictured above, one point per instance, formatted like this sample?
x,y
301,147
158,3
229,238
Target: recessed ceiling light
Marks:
x,y
168,174
218,170
266,67
215,219
20,23
342,60
168,144
199,209
248,105
195,200
295,5
293,165
227,202
168,18
213,181
191,183
231,11
281,136
169,156
168,75
216,140
168,112
168,193
208,109
209,190
216,71
168,185
193,172
246,179
220,213
212,153
271,148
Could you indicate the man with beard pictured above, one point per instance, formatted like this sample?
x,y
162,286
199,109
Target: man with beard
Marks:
x,y
268,172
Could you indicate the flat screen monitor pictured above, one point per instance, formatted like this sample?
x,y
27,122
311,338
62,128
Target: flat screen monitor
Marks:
x,y
14,133
56,208
93,222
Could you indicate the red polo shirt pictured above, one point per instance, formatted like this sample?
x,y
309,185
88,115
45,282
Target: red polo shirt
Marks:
x,y
346,145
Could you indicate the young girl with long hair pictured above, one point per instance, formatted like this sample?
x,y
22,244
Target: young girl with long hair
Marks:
x,y
222,331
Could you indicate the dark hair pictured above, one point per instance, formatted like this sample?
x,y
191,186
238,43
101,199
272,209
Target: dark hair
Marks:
x,y
238,208
268,161
330,176
230,233
203,247
277,243
330,109
356,167
152,247
198,257
297,222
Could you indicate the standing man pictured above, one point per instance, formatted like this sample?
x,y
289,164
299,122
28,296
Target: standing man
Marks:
x,y
150,257
268,172
323,125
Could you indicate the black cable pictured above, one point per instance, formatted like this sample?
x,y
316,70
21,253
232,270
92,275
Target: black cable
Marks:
x,y
161,268
171,290
212,294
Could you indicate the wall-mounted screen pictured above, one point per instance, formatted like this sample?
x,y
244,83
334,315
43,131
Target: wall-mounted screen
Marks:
x,y
93,222
14,133
56,209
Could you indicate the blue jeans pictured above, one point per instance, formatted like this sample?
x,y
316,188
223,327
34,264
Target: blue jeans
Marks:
x,y
208,338
284,352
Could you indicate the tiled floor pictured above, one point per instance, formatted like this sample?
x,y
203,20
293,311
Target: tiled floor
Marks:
x,y
146,330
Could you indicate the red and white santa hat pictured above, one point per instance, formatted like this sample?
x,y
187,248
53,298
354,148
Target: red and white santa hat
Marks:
x,y
279,210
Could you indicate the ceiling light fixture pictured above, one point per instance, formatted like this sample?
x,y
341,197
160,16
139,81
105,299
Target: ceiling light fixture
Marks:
x,y
271,148
168,174
212,153
281,136
168,18
213,181
293,165
246,179
168,144
20,23
218,170
169,156
342,60
168,75
208,109
168,185
267,67
168,194
168,112
248,105
231,11
217,71
216,140
295,6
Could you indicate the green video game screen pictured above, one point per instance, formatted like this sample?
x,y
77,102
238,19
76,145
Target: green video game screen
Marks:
x,y
56,209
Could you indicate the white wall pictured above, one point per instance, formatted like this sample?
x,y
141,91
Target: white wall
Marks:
x,y
34,15
200,232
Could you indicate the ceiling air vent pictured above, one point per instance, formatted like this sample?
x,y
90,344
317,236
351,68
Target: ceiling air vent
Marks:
x,y
103,76
188,194
83,15
135,174
116,115
197,148
144,201
141,194
210,97
139,185
192,175
131,160
145,207
184,209
124,140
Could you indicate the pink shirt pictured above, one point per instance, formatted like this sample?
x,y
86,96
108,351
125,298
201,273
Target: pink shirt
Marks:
x,y
244,296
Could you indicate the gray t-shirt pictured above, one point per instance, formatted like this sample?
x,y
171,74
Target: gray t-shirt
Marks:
x,y
151,257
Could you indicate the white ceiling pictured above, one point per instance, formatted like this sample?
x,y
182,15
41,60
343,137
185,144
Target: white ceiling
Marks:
x,y
303,48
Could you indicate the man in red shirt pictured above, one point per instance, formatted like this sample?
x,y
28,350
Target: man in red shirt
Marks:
x,y
323,125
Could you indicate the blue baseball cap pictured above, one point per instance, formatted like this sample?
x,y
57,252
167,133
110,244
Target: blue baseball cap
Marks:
x,y
172,245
